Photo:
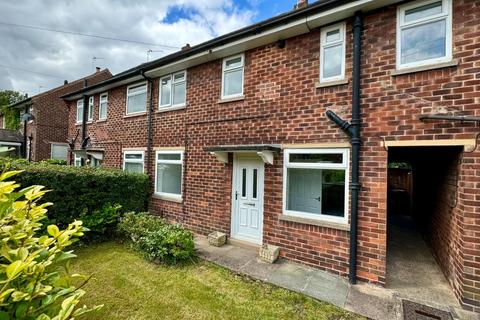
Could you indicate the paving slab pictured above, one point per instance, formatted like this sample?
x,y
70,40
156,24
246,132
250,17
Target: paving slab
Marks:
x,y
291,276
373,302
327,287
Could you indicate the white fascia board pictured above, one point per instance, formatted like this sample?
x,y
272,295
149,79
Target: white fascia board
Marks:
x,y
102,89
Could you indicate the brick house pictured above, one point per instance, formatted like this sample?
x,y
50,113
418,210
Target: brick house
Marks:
x,y
235,135
47,132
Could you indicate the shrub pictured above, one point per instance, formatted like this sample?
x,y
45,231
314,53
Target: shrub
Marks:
x,y
54,161
34,278
156,239
82,190
101,223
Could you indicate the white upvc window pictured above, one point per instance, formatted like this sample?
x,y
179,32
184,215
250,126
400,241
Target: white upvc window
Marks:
x,y
137,98
169,173
232,76
424,33
78,161
133,161
173,90
103,106
315,184
90,109
79,111
59,151
332,53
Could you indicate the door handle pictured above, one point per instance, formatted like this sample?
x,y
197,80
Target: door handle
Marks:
x,y
318,198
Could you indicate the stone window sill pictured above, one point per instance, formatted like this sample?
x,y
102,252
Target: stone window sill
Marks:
x,y
102,120
133,115
441,65
331,83
233,99
314,222
167,109
167,198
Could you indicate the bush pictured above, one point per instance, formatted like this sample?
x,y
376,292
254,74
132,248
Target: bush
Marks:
x,y
156,239
101,223
34,277
55,161
82,190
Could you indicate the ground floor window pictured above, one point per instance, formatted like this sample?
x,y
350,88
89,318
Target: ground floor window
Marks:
x,y
316,184
168,176
59,151
78,161
133,161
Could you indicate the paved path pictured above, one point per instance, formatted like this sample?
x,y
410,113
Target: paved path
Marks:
x,y
367,300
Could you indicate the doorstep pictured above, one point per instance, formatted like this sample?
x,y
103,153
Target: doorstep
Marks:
x,y
367,300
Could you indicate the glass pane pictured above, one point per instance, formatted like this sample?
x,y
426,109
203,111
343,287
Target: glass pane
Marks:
x,y
179,77
233,82
79,114
90,112
333,193
166,88
234,63
304,187
137,103
244,183
103,98
333,35
134,167
59,152
255,183
332,61
169,156
169,178
137,156
423,11
137,89
424,42
103,110
179,93
316,158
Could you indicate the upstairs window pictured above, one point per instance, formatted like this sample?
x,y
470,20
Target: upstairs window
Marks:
x,y
79,111
232,76
103,106
133,161
316,184
332,53
173,90
424,33
137,98
90,109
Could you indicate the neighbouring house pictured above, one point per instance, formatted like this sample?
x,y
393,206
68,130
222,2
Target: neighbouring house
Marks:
x,y
47,124
295,131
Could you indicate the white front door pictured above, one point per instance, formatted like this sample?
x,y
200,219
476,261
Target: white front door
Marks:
x,y
247,197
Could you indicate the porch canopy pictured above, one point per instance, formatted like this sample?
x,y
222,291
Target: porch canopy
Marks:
x,y
264,151
94,153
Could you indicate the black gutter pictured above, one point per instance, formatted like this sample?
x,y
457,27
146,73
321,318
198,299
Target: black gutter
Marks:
x,y
449,118
318,6
150,120
353,131
84,121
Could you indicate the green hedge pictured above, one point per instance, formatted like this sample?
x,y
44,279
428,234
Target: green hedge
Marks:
x,y
76,191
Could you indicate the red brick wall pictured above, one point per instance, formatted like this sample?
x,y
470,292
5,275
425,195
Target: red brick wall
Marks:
x,y
282,105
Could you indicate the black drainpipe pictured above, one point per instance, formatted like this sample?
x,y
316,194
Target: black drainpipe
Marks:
x,y
353,131
84,121
150,120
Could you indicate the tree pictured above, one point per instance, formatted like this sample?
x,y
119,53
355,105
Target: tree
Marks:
x,y
10,115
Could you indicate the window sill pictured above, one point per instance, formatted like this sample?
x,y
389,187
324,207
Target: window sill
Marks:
x,y
167,198
314,222
232,99
167,109
80,123
102,120
441,65
133,115
331,83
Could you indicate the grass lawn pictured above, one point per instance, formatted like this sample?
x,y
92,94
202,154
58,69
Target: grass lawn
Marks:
x,y
132,288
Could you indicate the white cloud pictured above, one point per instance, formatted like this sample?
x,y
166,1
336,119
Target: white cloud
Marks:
x,y
70,57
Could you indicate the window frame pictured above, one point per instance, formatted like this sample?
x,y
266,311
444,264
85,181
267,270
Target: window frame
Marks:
x,y
323,44
91,108
225,71
138,84
345,166
79,102
446,15
166,195
170,105
75,159
57,144
105,94
142,161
